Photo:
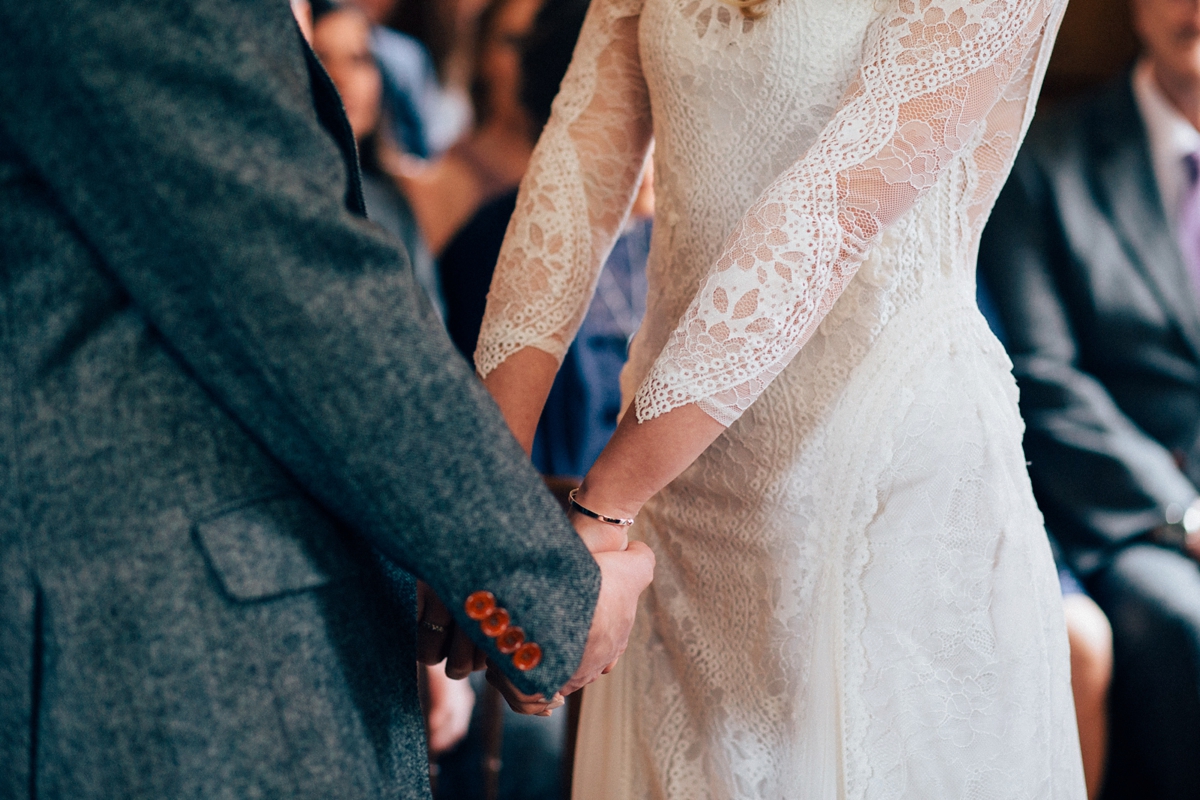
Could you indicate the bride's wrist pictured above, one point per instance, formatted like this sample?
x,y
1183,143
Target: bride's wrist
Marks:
x,y
601,523
600,537
606,503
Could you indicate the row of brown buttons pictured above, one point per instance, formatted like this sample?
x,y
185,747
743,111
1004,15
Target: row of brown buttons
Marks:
x,y
510,640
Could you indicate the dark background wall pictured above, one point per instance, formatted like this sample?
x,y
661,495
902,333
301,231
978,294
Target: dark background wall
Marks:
x,y
1096,42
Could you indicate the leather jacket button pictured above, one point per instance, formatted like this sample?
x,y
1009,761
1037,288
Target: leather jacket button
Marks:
x,y
509,641
495,623
528,656
480,604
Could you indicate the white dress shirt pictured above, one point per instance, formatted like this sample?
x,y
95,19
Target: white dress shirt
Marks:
x,y
1172,140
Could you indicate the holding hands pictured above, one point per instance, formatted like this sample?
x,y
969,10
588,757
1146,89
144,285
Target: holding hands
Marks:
x,y
626,569
639,460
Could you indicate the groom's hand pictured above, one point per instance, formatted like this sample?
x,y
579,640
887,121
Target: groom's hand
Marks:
x,y
624,574
521,703
439,637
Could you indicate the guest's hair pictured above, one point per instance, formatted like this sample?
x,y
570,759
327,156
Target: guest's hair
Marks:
x,y
427,22
321,8
479,90
751,9
546,56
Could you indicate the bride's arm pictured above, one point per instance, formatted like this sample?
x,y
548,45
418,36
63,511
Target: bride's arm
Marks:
x,y
581,182
938,77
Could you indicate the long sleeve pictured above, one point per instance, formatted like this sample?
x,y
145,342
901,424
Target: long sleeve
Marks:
x,y
181,141
937,77
576,195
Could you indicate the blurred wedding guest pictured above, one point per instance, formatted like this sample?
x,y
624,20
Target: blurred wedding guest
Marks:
x,y
1093,255
1088,632
581,412
491,159
341,39
427,51
302,11
413,95
584,404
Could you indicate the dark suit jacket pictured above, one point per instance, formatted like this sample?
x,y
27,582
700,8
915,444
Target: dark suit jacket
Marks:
x,y
1104,327
221,392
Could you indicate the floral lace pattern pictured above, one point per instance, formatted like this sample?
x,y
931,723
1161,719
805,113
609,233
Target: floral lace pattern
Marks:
x,y
932,77
854,596
575,196
936,85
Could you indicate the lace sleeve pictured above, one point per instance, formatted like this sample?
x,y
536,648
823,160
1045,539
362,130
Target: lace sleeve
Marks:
x,y
576,194
937,76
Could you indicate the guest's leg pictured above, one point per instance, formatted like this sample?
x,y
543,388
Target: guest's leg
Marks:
x,y
1091,673
1152,598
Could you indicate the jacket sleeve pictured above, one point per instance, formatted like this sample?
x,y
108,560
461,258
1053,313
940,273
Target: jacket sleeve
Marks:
x,y
1101,481
181,140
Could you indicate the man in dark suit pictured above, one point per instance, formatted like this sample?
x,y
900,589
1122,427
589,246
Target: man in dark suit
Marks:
x,y
1093,256
231,428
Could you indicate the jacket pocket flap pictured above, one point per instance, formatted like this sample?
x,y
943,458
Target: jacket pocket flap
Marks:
x,y
275,547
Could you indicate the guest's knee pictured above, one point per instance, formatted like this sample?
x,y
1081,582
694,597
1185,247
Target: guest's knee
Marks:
x,y
1152,597
1090,637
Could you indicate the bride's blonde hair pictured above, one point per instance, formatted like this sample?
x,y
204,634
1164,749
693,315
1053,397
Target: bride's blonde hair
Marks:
x,y
751,9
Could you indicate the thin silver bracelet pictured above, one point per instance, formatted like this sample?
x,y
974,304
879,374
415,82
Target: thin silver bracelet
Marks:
x,y
587,512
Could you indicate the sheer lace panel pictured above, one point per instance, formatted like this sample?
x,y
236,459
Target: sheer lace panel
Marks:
x,y
576,195
938,76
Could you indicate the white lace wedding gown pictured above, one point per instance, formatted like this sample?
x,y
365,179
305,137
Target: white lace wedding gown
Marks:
x,y
854,595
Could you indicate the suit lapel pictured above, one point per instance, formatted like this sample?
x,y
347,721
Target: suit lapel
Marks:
x,y
332,116
1126,177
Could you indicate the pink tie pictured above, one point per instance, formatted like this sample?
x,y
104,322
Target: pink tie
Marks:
x,y
1189,222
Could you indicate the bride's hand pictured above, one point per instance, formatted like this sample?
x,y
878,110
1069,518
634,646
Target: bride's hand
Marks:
x,y
600,537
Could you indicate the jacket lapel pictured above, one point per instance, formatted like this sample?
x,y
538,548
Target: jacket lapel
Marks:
x,y
332,116
1126,177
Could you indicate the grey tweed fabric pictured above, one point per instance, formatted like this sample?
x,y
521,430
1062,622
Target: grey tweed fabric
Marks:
x,y
222,398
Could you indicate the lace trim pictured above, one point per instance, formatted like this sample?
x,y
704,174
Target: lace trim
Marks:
x,y
935,76
576,195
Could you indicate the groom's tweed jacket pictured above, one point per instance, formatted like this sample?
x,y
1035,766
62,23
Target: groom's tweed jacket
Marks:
x,y
221,394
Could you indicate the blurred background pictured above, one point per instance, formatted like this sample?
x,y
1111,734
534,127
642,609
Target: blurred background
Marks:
x,y
1096,43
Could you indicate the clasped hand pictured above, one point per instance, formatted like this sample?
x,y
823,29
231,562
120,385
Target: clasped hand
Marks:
x,y
626,569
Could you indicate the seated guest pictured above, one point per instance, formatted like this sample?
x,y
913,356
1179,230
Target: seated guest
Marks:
x,y
491,159
582,409
411,92
584,404
426,50
1093,255
1088,632
341,38
425,116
